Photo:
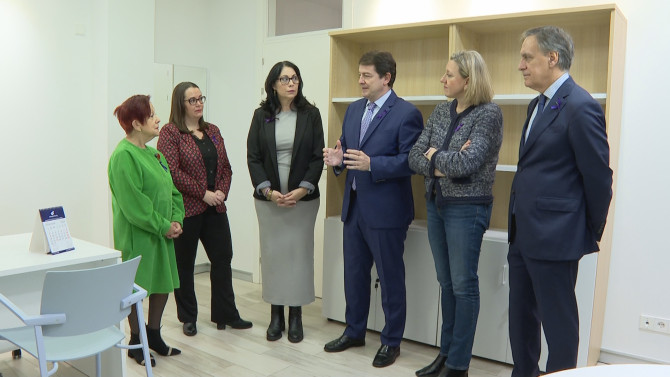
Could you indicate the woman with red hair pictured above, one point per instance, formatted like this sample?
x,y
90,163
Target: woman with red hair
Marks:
x,y
148,215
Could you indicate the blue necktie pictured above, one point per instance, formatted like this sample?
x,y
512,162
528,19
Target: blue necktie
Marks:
x,y
540,107
367,119
365,123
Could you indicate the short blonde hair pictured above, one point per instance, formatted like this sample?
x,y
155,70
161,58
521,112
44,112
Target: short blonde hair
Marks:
x,y
471,65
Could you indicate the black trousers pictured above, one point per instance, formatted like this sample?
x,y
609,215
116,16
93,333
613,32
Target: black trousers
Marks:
x,y
213,230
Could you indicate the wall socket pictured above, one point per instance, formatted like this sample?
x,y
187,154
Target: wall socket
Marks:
x,y
654,324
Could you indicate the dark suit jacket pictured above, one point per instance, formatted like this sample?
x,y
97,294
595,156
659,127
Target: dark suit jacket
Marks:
x,y
563,185
188,168
384,193
306,160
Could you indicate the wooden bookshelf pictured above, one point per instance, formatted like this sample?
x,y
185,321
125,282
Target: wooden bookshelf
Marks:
x,y
421,51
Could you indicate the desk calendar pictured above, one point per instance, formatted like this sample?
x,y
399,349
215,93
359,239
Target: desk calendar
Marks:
x,y
51,233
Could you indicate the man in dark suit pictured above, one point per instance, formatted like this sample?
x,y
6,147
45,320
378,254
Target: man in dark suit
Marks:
x,y
377,134
558,204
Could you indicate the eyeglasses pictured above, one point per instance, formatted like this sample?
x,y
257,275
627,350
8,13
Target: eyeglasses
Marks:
x,y
285,79
193,100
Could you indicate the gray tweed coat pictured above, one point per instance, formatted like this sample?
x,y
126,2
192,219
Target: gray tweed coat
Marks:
x,y
469,174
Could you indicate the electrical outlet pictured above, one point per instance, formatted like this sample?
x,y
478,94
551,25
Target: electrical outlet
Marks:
x,y
654,324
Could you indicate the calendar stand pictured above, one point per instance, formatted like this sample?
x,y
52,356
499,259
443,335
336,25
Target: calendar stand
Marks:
x,y
50,233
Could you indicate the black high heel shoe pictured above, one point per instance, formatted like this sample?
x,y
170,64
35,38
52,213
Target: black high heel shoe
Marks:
x,y
295,333
277,323
157,344
137,354
433,369
238,324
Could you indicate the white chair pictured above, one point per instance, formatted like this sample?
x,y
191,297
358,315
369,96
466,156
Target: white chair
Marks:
x,y
79,316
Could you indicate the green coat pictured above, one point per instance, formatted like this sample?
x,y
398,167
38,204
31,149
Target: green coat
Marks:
x,y
145,202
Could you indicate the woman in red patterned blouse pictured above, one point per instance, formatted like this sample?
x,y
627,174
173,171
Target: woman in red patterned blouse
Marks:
x,y
201,171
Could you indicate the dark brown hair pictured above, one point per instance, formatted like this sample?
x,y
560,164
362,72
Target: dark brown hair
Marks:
x,y
178,108
383,62
270,104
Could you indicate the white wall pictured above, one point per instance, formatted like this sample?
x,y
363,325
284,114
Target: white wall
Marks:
x,y
57,80
224,37
60,89
639,277
311,53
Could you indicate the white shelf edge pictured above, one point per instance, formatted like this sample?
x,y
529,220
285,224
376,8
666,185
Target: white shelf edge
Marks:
x,y
493,234
500,99
508,168
499,235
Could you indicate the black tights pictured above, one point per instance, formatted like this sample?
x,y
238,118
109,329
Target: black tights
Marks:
x,y
157,303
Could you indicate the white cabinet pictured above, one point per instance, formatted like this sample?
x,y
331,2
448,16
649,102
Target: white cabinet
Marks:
x,y
491,337
420,51
424,318
423,291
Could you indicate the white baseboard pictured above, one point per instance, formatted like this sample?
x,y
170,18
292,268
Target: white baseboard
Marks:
x,y
615,357
237,274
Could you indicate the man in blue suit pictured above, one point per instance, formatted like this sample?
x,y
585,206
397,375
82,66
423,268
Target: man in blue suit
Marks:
x,y
558,204
377,134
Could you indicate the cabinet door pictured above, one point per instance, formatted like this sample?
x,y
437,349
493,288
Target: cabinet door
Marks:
x,y
422,289
333,303
492,331
491,337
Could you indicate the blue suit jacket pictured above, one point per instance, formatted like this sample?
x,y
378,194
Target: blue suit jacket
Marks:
x,y
563,185
384,194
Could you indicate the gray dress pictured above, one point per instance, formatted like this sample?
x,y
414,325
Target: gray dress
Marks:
x,y
287,234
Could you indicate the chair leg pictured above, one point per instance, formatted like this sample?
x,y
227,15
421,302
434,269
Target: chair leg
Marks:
x,y
98,365
41,352
143,338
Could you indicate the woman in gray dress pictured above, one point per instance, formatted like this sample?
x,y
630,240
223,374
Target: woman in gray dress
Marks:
x,y
285,159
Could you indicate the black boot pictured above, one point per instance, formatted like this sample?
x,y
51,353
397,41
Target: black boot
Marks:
x,y
446,372
295,334
277,322
137,353
433,369
157,344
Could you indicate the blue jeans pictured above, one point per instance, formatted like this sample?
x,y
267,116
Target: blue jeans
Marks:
x,y
455,234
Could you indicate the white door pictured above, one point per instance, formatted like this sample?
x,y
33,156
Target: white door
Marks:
x,y
311,53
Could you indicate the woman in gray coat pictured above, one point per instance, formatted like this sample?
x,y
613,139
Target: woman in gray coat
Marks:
x,y
457,153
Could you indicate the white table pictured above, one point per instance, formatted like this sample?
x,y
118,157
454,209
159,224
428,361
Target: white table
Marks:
x,y
619,370
22,276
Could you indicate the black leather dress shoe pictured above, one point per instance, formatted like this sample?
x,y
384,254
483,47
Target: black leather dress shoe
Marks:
x,y
238,324
385,356
189,328
342,343
433,369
